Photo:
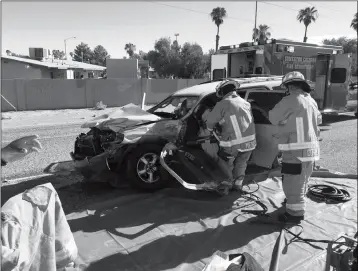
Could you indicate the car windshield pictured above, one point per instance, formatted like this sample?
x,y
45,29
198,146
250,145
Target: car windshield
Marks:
x,y
175,105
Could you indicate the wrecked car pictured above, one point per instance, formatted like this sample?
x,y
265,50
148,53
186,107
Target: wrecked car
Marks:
x,y
129,140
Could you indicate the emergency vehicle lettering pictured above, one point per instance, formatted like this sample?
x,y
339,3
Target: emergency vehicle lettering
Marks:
x,y
249,140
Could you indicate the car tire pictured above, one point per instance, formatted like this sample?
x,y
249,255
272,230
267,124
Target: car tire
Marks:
x,y
143,174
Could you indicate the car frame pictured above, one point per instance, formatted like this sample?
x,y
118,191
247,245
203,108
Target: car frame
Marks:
x,y
128,160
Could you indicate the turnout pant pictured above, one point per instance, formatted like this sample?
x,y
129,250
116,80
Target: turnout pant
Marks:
x,y
237,164
294,187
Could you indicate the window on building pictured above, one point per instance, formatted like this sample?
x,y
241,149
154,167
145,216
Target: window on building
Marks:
x,y
90,75
219,73
338,75
77,75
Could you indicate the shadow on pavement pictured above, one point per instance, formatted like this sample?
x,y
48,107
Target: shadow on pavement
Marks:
x,y
10,190
73,192
329,119
151,256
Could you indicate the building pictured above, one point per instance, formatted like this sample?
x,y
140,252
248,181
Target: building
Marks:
x,y
127,68
45,67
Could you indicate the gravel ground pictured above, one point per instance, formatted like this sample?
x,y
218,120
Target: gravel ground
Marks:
x,y
339,145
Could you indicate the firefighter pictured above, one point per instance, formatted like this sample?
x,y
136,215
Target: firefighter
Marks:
x,y
237,138
297,117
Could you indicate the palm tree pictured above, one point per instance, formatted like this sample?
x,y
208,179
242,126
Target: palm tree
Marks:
x,y
354,22
217,15
130,49
307,16
261,33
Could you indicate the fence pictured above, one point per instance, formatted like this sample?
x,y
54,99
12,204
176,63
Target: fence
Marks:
x,y
48,94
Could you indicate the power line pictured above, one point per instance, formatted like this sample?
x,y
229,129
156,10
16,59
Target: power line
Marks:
x,y
291,8
229,17
197,11
325,7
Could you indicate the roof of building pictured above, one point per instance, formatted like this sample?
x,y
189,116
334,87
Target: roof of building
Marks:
x,y
56,64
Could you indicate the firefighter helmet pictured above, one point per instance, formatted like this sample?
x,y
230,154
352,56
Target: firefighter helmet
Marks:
x,y
296,76
225,87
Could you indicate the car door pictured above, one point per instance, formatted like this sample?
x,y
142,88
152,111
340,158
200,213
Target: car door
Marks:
x,y
266,149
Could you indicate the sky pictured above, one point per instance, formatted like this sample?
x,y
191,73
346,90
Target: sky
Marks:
x,y
113,24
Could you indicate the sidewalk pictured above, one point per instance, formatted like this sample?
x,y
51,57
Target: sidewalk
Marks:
x,y
22,119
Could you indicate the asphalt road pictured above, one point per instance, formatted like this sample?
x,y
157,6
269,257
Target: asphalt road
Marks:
x,y
57,142
338,148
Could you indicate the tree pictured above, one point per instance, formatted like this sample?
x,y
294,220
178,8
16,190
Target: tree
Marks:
x,y
160,58
192,61
100,55
354,22
261,33
307,16
58,54
140,56
349,46
207,61
83,53
217,15
130,49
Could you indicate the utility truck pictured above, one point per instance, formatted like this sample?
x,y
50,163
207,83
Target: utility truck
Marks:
x,y
324,65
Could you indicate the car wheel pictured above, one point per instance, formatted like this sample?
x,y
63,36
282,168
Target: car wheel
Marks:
x,y
144,169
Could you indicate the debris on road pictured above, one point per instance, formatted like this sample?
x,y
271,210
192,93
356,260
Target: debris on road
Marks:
x,y
100,106
5,117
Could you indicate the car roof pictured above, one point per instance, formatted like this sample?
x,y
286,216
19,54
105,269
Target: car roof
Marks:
x,y
209,88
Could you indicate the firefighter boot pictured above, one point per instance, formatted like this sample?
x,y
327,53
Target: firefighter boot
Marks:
x,y
237,185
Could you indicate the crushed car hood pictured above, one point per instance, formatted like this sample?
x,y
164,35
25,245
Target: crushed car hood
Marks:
x,y
120,119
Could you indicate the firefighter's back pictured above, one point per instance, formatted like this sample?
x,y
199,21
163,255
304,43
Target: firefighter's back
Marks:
x,y
305,118
241,109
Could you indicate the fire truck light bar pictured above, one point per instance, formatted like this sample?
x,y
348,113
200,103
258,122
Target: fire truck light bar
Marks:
x,y
247,44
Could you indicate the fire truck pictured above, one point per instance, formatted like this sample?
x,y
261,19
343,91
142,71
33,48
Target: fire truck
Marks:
x,y
325,66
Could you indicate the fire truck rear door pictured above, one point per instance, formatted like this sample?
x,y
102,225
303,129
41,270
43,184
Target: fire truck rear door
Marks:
x,y
322,68
219,65
338,84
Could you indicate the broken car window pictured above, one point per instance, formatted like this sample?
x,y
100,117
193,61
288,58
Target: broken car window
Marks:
x,y
176,103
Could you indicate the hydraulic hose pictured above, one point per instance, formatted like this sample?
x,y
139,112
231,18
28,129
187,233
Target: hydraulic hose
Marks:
x,y
328,193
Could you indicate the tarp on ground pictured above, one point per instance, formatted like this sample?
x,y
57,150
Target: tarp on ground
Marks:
x,y
177,229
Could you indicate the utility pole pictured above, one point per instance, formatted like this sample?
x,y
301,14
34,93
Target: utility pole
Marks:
x,y
65,41
254,36
176,37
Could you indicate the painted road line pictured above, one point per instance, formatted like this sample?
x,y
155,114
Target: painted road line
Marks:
x,y
46,137
43,125
19,180
59,182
